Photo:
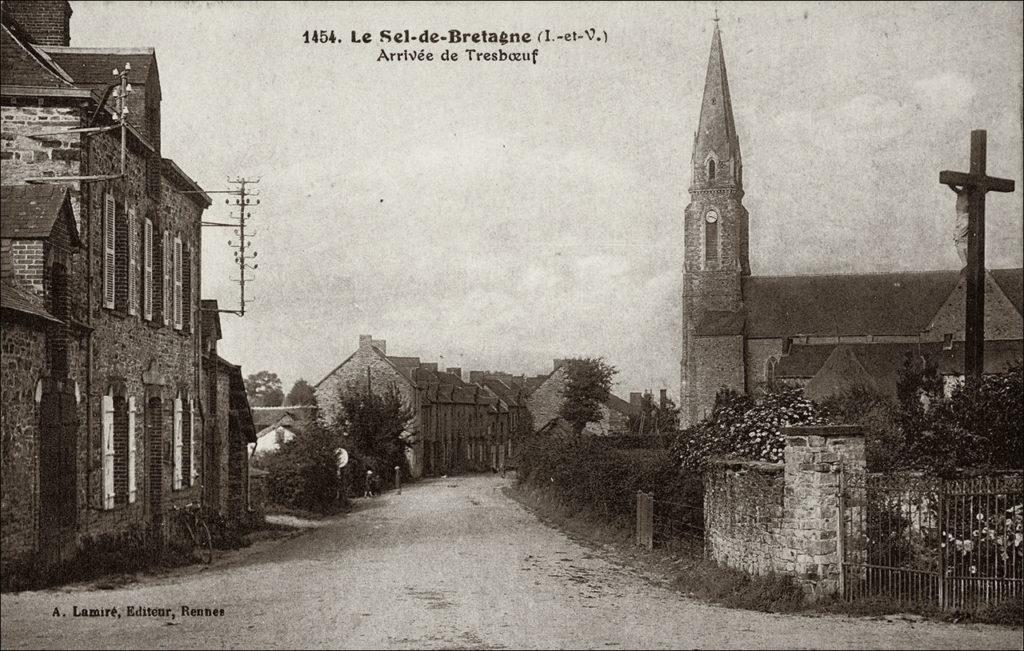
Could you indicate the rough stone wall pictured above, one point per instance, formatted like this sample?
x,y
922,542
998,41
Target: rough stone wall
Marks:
x,y
352,374
23,363
757,353
746,529
743,509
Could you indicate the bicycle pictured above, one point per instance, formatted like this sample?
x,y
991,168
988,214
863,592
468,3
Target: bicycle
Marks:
x,y
191,515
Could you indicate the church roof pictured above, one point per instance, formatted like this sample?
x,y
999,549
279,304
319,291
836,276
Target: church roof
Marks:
x,y
716,130
1011,281
900,303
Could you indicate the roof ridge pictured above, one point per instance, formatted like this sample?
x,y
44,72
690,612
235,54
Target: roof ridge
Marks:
x,y
71,49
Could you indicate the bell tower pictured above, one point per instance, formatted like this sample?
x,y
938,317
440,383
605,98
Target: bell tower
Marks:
x,y
716,250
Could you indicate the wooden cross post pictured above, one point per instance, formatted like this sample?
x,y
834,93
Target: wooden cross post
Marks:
x,y
976,184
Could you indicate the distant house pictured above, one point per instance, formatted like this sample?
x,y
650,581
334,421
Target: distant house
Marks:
x,y
545,400
456,425
275,425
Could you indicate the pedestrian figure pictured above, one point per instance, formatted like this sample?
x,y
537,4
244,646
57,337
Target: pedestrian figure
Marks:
x,y
368,490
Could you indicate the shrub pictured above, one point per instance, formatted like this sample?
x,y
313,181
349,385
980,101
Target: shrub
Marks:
x,y
303,472
743,427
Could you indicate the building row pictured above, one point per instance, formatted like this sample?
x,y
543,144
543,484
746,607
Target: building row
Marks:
x,y
117,408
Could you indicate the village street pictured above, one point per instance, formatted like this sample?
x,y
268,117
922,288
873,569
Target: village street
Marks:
x,y
450,563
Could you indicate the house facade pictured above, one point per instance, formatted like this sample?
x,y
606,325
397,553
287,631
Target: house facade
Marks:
x,y
546,398
103,421
456,425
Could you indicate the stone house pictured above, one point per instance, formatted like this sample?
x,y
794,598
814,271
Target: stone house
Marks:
x,y
275,425
740,330
456,425
123,413
547,396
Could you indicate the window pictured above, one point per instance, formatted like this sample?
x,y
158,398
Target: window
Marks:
x,y
177,283
769,368
132,251
107,420
177,443
710,239
147,273
109,240
711,169
947,341
187,453
132,468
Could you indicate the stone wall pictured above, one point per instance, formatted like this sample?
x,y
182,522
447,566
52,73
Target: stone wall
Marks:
x,y
784,518
743,507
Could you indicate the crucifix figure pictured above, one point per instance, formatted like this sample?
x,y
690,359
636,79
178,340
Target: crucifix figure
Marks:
x,y
974,185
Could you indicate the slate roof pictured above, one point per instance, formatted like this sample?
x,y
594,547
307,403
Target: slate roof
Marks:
x,y
1011,281
25,65
239,412
210,318
93,66
264,417
30,211
833,368
844,304
13,298
616,403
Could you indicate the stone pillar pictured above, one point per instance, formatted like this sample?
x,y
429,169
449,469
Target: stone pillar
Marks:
x,y
811,516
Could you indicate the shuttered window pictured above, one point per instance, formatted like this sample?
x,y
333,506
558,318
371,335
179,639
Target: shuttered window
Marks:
x,y
186,288
147,272
177,283
132,481
109,240
107,420
133,263
177,443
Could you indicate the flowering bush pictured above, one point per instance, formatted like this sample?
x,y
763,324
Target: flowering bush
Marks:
x,y
742,427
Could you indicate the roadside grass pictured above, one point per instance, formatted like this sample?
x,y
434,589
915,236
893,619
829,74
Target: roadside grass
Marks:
x,y
684,568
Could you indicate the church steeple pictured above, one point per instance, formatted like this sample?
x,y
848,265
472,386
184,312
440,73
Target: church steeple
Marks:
x,y
716,148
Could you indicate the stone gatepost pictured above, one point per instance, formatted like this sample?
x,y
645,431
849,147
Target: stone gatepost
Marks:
x,y
811,515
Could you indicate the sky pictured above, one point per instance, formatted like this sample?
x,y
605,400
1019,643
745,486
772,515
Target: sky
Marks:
x,y
496,215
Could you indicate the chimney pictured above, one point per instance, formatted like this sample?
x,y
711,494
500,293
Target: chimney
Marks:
x,y
365,341
47,22
664,398
457,372
635,398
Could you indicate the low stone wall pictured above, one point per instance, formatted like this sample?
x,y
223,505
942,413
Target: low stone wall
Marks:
x,y
743,503
784,518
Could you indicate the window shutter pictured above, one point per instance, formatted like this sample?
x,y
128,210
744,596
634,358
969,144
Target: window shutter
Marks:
x,y
168,263
192,443
133,261
186,288
177,443
108,251
132,483
177,283
107,420
147,275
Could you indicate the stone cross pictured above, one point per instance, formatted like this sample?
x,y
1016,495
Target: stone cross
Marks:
x,y
975,184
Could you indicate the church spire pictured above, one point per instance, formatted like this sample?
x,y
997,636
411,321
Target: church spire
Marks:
x,y
716,148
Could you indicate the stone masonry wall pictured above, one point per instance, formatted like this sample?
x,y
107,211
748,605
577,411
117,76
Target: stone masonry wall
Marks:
x,y
353,373
748,526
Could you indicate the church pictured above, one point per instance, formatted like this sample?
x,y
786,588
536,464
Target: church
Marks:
x,y
826,332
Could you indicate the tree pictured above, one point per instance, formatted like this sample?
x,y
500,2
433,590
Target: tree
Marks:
x,y
376,427
303,472
588,383
264,389
301,394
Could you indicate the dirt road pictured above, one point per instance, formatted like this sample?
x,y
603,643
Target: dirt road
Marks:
x,y
450,563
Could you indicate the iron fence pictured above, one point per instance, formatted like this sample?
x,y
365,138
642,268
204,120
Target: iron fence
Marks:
x,y
951,543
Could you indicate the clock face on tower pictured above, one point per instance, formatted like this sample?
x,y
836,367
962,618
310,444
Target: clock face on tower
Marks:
x,y
711,217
